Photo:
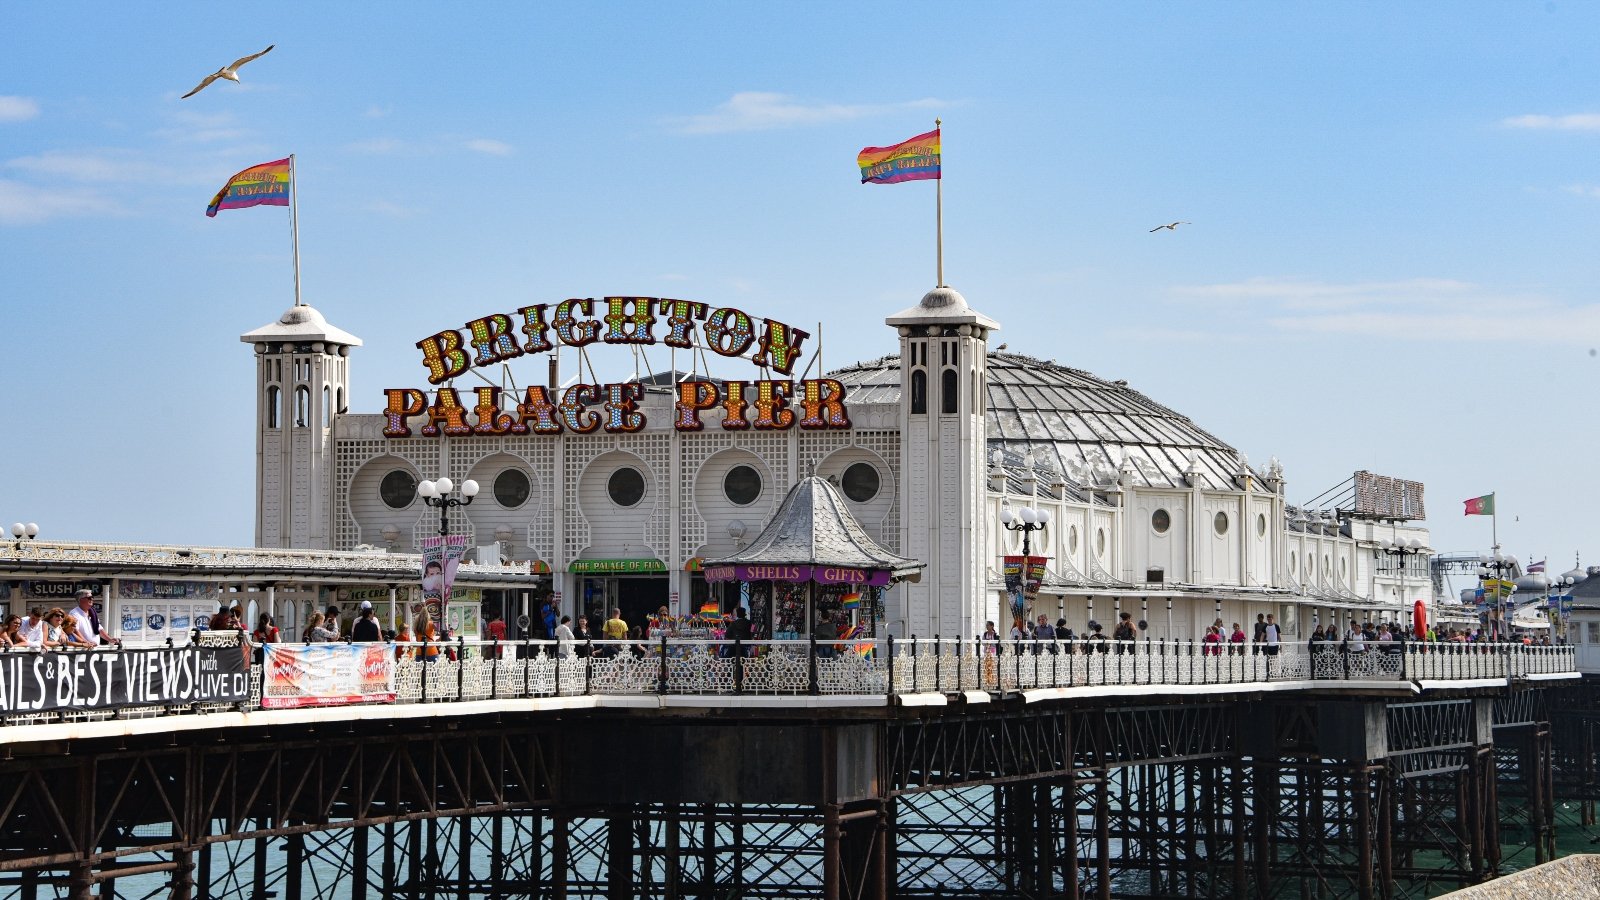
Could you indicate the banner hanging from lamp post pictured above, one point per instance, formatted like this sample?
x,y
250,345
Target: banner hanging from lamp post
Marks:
x,y
441,556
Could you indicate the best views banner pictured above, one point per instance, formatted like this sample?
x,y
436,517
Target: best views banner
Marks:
x,y
101,679
327,674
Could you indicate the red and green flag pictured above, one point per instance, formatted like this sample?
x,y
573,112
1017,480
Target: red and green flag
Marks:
x,y
1480,506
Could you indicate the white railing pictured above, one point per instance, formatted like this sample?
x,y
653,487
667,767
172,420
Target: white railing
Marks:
x,y
480,670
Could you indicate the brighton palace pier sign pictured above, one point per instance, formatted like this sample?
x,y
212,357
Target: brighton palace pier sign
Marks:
x,y
813,403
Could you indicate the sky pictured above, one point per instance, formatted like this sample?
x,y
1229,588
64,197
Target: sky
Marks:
x,y
1390,263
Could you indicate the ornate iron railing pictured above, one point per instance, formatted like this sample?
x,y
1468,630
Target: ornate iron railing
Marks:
x,y
482,670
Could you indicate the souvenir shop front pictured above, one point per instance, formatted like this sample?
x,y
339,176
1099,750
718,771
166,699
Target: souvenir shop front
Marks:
x,y
812,571
794,602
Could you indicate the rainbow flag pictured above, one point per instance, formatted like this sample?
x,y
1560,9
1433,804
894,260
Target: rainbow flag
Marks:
x,y
850,601
914,159
1480,506
263,185
710,608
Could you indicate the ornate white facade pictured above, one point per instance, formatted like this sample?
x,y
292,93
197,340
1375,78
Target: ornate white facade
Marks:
x,y
1150,512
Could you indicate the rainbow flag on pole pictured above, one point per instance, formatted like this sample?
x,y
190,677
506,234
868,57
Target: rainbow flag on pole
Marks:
x,y
263,185
914,159
1480,506
710,608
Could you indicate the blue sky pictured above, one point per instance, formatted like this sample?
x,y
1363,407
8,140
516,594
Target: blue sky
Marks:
x,y
1390,265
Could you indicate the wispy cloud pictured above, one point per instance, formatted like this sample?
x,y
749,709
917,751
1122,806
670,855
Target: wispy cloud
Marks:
x,y
1584,190
1415,309
377,146
26,204
17,109
1572,122
489,146
193,127
761,111
392,210
377,112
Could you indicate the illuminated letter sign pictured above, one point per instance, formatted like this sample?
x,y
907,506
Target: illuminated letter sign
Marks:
x,y
761,403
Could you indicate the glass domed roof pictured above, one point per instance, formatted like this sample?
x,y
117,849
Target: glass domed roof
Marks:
x,y
1074,422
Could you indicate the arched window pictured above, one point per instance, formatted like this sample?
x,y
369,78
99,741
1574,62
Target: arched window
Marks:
x,y
919,392
327,407
340,407
949,392
274,400
302,407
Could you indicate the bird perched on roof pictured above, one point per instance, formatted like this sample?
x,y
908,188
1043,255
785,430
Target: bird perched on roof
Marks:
x,y
229,71
1000,346
1170,227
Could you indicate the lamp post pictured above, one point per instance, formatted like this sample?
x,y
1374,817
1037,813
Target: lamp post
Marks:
x,y
1397,550
1558,587
437,493
22,532
1026,520
1498,567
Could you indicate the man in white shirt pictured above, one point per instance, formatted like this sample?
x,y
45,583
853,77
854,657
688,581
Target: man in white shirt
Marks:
x,y
33,627
89,627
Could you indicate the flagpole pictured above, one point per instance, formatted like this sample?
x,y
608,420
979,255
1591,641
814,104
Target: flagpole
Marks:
x,y
939,209
294,228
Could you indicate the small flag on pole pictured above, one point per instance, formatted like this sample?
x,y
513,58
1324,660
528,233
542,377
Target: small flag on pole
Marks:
x,y
1480,506
263,185
1536,568
850,601
710,608
914,159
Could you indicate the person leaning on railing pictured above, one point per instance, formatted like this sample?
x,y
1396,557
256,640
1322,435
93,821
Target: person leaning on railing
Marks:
x,y
11,633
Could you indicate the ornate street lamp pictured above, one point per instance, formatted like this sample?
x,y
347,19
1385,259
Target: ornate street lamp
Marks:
x,y
22,532
437,493
1500,568
1026,520
1556,589
1397,550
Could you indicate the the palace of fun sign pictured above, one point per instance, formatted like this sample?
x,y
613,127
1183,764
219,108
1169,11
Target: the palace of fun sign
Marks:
x,y
815,403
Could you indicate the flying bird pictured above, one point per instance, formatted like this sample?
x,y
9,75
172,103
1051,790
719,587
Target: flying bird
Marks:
x,y
1172,227
1000,346
229,71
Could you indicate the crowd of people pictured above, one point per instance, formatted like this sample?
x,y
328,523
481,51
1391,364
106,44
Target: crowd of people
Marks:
x,y
78,628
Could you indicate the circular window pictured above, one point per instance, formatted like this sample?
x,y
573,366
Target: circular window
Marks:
x,y
1100,542
861,482
742,485
1160,520
1072,539
398,489
1220,523
511,488
626,487
1261,524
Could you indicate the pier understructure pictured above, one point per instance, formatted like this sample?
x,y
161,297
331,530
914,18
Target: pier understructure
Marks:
x,y
1346,790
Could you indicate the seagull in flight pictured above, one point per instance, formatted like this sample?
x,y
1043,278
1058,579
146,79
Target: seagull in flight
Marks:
x,y
229,71
1170,227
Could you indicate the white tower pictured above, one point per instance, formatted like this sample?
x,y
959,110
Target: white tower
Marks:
x,y
943,374
302,382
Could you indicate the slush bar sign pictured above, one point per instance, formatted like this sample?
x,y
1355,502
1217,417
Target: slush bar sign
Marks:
x,y
767,404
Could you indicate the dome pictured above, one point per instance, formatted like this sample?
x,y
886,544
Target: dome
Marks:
x,y
943,298
302,315
1073,421
300,324
1534,583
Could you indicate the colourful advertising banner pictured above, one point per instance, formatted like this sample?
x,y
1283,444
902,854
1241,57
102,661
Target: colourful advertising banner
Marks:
x,y
327,674
164,676
441,556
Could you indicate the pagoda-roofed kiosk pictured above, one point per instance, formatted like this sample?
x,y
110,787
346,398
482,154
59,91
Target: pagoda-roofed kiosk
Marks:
x,y
812,565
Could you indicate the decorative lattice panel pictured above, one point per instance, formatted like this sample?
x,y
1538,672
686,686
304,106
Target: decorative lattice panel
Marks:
x,y
772,448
